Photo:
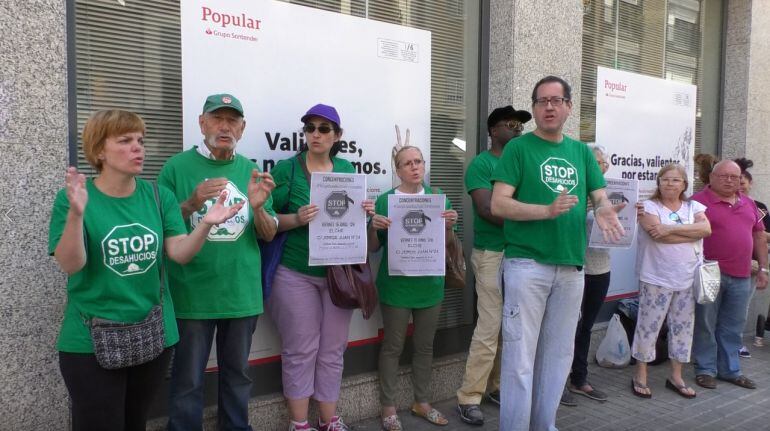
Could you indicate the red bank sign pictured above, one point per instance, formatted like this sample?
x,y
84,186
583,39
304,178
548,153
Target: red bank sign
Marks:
x,y
226,19
615,86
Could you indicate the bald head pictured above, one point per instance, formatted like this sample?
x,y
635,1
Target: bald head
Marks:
x,y
726,166
725,178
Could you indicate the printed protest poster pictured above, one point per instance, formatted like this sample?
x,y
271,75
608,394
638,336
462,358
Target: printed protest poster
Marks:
x,y
643,123
416,235
338,232
618,191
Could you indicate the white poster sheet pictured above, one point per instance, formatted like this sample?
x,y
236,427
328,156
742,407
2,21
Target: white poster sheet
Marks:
x,y
279,59
618,191
338,231
644,123
416,236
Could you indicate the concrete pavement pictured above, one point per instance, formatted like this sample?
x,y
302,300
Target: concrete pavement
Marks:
x,y
728,407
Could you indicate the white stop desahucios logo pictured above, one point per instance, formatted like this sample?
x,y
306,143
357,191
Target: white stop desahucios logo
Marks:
x,y
130,249
231,229
559,174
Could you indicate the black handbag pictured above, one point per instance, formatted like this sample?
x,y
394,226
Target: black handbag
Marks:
x,y
120,344
126,344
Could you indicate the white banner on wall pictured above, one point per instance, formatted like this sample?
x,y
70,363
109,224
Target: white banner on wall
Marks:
x,y
643,123
280,59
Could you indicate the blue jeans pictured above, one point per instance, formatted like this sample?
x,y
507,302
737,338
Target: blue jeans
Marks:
x,y
541,305
192,354
719,329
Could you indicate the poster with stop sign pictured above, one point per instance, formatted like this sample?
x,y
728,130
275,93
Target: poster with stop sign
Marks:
x,y
619,191
416,235
338,232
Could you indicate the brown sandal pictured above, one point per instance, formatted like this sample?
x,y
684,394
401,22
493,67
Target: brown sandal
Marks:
x,y
683,391
635,384
741,381
706,381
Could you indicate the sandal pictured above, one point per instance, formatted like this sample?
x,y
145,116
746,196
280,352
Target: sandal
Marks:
x,y
433,416
391,423
682,390
635,384
706,381
741,381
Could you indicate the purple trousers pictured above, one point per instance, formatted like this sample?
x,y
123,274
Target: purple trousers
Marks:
x,y
314,335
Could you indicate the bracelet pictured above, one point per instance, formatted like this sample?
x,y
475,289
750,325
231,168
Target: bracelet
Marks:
x,y
764,270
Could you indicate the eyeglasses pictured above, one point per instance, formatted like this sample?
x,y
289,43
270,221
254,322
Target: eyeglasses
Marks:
x,y
725,177
554,101
513,125
323,128
603,164
671,180
412,163
674,217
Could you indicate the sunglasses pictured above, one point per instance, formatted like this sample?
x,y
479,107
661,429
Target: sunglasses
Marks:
x,y
323,128
674,217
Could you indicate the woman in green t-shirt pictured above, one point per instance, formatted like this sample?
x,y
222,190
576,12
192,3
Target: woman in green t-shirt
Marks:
x,y
106,233
402,297
314,331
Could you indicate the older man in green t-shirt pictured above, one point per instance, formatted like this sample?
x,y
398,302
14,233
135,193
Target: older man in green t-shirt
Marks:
x,y
482,370
219,291
542,183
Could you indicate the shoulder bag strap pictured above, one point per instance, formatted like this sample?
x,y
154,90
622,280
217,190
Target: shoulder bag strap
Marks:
x,y
291,183
691,217
161,258
303,164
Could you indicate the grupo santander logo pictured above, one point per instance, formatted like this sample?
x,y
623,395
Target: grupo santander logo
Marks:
x,y
230,25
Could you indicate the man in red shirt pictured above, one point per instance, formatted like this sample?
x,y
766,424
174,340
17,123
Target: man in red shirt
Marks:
x,y
737,232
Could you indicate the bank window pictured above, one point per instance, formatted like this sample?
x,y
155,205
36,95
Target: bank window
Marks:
x,y
128,56
660,38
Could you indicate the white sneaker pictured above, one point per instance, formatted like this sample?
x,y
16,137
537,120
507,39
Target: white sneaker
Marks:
x,y
743,352
294,426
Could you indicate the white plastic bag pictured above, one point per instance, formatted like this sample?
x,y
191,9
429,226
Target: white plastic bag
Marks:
x,y
614,351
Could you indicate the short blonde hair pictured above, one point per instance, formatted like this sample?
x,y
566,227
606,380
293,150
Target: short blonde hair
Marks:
x,y
105,124
401,150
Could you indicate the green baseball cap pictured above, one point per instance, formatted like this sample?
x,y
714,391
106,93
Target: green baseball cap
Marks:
x,y
217,101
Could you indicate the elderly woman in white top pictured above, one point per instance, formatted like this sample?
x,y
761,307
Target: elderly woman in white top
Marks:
x,y
673,227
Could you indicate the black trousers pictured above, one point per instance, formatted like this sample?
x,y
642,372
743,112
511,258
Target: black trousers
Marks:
x,y
115,400
595,291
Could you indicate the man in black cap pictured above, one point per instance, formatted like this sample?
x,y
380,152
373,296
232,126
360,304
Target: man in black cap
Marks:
x,y
482,370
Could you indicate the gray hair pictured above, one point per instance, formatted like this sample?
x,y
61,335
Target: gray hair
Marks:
x,y
596,148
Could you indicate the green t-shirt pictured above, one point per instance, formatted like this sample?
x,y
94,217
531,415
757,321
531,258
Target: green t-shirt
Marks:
x,y
223,281
539,169
124,244
486,235
296,251
400,290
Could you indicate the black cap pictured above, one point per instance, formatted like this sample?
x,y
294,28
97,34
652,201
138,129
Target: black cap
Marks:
x,y
507,113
